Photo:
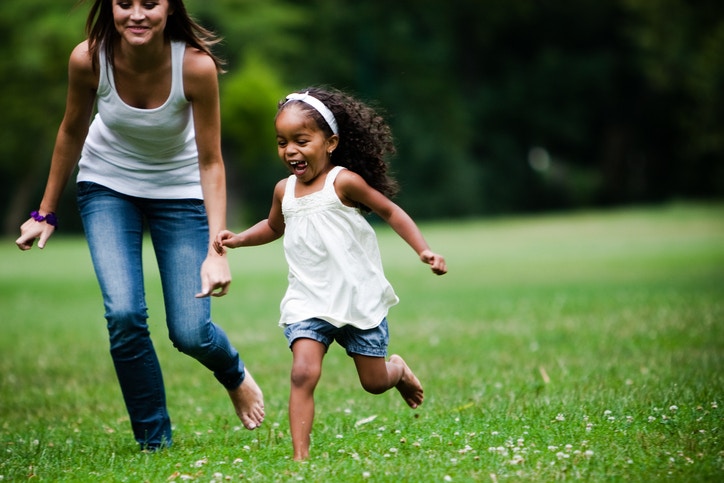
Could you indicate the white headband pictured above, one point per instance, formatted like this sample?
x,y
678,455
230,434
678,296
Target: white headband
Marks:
x,y
319,106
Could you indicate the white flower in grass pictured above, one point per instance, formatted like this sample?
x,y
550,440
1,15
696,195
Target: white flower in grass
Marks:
x,y
339,436
569,447
517,460
552,448
218,475
201,462
494,433
652,419
588,453
466,449
366,474
673,408
607,412
589,427
560,417
447,478
714,405
393,450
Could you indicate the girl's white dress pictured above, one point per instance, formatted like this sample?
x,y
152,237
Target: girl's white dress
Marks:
x,y
335,268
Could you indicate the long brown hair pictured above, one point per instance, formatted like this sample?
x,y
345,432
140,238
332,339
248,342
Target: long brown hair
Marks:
x,y
101,30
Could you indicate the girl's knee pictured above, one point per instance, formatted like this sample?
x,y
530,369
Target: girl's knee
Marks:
x,y
305,375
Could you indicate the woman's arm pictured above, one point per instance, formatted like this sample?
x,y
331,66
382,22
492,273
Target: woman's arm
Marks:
x,y
82,86
201,87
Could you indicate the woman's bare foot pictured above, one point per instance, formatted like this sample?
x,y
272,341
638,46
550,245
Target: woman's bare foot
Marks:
x,y
248,402
409,386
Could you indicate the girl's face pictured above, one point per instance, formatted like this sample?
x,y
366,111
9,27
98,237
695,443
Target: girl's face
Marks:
x,y
302,145
140,21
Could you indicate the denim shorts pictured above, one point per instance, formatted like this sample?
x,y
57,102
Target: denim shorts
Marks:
x,y
371,342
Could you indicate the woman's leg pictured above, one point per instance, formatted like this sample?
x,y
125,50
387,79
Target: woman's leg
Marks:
x,y
180,236
306,371
114,230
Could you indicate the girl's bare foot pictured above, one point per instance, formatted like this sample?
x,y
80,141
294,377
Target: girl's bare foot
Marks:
x,y
248,402
409,386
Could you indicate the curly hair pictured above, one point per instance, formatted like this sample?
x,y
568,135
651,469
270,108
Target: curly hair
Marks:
x,y
365,139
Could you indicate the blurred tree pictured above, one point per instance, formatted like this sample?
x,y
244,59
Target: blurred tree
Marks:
x,y
678,49
35,40
497,106
477,89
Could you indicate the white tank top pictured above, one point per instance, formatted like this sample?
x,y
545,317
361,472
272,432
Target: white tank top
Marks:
x,y
335,268
148,153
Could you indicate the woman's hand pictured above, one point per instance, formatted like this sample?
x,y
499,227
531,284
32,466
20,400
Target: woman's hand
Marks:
x,y
32,230
215,276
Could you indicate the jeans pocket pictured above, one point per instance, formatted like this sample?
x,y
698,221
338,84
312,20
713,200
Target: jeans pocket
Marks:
x,y
84,188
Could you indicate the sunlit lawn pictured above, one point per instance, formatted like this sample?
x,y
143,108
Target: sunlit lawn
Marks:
x,y
584,346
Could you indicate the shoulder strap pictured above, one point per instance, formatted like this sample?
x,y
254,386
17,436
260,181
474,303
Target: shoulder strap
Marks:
x,y
332,175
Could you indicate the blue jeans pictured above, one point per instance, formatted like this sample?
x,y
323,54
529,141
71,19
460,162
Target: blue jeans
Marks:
x,y
114,226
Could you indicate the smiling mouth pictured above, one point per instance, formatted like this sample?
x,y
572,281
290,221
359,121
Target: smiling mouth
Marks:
x,y
298,167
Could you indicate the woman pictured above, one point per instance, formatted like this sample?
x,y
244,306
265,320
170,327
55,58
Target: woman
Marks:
x,y
151,156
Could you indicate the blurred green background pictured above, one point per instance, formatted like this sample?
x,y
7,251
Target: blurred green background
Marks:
x,y
497,106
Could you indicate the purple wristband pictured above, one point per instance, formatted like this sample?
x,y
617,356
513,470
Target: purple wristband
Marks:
x,y
50,218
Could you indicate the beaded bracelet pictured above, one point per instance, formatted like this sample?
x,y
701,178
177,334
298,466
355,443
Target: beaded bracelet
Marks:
x,y
49,218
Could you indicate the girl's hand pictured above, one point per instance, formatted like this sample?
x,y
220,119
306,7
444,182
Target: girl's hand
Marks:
x,y
436,262
32,230
215,276
225,238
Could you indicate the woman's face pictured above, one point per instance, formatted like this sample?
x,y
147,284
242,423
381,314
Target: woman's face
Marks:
x,y
138,22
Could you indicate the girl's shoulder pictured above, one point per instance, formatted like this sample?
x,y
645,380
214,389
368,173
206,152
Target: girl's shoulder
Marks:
x,y
280,188
347,177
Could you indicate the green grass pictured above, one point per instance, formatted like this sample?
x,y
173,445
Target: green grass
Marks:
x,y
585,346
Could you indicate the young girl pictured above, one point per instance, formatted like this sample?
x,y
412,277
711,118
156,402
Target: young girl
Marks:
x,y
334,147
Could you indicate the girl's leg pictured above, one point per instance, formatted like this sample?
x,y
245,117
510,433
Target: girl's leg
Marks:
x,y
180,236
114,230
378,376
306,371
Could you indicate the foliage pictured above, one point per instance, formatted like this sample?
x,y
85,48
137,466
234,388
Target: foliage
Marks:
x,y
576,347
497,106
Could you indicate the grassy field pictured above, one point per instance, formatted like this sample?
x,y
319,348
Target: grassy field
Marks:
x,y
584,346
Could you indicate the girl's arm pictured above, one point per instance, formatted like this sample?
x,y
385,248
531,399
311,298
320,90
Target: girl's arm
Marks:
x,y
82,86
353,189
201,88
265,231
